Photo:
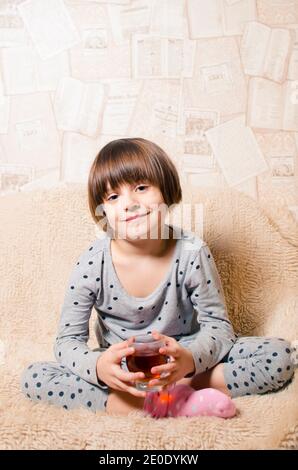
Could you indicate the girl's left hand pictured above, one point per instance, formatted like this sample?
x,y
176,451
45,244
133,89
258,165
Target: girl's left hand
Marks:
x,y
181,364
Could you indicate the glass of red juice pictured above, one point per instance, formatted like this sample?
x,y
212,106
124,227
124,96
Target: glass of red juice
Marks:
x,y
145,357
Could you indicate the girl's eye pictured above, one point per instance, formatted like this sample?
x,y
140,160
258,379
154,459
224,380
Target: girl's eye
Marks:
x,y
110,198
143,186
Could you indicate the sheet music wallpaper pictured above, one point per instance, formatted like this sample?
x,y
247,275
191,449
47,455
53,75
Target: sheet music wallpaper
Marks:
x,y
215,83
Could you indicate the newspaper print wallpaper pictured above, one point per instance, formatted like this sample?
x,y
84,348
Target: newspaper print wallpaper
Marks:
x,y
214,82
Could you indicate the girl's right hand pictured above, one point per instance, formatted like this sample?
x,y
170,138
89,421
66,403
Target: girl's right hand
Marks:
x,y
109,370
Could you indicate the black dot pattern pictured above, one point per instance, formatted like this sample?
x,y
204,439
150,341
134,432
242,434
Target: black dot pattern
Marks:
x,y
70,391
251,365
254,359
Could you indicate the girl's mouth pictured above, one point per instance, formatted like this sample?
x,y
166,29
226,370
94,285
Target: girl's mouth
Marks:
x,y
136,217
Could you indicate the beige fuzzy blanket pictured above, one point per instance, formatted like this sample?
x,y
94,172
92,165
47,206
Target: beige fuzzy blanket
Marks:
x,y
43,233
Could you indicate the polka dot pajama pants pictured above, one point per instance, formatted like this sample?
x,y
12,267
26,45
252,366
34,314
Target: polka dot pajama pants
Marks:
x,y
254,365
56,384
257,365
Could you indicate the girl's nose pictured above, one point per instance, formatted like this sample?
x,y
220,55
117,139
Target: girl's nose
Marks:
x,y
131,207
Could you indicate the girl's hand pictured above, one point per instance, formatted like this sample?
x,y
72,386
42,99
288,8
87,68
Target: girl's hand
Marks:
x,y
109,370
181,364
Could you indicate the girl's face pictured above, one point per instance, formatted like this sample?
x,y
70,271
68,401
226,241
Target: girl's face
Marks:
x,y
135,211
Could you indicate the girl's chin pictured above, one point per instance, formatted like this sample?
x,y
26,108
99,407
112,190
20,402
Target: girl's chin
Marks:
x,y
136,231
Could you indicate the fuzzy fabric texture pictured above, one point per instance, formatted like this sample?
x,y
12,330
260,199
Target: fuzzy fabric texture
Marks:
x,y
43,232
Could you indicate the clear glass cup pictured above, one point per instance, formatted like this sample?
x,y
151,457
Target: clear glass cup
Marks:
x,y
145,357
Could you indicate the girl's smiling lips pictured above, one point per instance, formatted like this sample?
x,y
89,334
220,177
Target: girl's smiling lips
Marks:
x,y
135,217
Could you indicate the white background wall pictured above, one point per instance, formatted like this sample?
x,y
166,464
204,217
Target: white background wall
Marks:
x,y
213,82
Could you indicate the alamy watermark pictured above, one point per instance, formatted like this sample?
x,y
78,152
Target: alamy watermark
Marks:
x,y
146,226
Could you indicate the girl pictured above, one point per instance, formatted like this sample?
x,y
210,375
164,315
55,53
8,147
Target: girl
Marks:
x,y
145,276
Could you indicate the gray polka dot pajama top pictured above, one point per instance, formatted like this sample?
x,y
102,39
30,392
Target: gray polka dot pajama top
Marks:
x,y
188,305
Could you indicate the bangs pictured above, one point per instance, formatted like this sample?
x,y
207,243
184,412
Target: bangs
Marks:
x,y
124,164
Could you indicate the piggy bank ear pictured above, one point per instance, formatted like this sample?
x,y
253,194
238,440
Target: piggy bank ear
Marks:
x,y
180,391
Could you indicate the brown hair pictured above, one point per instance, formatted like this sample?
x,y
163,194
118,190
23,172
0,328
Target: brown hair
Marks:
x,y
131,160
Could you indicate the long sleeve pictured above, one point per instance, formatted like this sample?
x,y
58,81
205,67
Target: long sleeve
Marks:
x,y
216,335
70,348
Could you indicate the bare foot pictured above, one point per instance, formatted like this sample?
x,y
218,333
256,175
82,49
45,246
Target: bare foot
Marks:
x,y
122,403
213,378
